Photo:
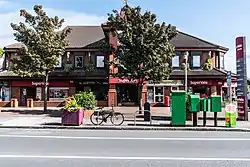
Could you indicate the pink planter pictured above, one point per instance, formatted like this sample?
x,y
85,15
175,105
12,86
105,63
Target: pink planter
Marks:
x,y
72,118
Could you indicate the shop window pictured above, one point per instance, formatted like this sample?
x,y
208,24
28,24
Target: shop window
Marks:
x,y
59,65
58,94
79,61
196,61
5,93
100,61
100,91
38,93
176,61
156,94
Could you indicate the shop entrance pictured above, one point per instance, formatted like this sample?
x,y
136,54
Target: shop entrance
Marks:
x,y
204,91
26,93
127,95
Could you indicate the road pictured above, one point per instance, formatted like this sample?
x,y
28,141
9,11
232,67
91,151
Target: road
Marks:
x,y
74,148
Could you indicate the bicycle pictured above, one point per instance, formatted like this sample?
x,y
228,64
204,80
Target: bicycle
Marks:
x,y
100,115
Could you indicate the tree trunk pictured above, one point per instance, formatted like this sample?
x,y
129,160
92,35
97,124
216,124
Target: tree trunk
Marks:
x,y
45,92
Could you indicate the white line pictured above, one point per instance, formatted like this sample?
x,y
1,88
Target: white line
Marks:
x,y
125,138
126,158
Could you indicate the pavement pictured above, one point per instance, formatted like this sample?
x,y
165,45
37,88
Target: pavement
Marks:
x,y
35,118
63,148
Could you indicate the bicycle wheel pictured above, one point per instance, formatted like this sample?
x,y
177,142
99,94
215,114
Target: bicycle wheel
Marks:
x,y
96,119
117,118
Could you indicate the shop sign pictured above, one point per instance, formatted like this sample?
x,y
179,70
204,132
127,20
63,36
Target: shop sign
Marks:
x,y
197,83
38,83
241,77
127,81
167,82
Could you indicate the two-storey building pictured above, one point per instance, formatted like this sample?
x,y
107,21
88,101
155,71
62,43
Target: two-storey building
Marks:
x,y
70,75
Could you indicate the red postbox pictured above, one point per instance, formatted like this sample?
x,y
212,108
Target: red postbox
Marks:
x,y
166,101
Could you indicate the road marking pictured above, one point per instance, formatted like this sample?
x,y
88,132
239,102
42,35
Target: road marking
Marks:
x,y
124,138
126,158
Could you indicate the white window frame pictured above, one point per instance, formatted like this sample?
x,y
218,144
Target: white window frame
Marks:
x,y
222,61
193,65
98,64
174,87
77,63
59,65
155,95
176,58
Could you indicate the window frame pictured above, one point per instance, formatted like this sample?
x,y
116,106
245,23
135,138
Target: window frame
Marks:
x,y
196,54
155,95
177,56
222,63
76,61
97,61
60,62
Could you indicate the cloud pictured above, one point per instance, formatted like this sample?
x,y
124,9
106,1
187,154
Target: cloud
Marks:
x,y
70,17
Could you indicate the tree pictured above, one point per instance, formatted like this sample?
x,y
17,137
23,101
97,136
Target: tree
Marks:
x,y
144,51
1,52
44,43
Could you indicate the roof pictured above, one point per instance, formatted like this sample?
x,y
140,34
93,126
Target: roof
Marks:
x,y
89,36
83,36
214,73
183,40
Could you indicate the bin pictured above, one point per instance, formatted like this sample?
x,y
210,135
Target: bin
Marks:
x,y
203,103
166,101
231,115
215,103
30,103
13,102
178,108
194,103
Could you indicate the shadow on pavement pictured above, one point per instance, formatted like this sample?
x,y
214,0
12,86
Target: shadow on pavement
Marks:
x,y
50,112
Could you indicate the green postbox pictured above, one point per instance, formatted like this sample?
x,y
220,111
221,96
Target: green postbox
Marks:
x,y
215,103
178,107
194,103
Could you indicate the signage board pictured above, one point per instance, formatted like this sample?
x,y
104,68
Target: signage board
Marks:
x,y
241,78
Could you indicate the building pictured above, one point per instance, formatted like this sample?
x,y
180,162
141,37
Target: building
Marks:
x,y
84,48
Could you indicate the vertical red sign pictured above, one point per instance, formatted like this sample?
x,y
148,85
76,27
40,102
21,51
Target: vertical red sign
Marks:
x,y
241,78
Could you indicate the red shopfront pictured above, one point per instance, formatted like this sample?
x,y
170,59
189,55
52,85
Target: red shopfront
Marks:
x,y
206,87
124,92
33,89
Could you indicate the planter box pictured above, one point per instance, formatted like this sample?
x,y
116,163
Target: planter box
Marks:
x,y
72,118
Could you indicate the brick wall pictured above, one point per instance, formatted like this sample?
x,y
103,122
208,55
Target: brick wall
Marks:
x,y
72,91
15,93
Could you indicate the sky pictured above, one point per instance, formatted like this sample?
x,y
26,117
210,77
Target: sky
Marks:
x,y
217,21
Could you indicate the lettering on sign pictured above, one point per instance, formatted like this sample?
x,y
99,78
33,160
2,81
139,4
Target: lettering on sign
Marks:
x,y
38,83
198,82
127,80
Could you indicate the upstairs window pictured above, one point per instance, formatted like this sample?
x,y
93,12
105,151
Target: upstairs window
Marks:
x,y
176,61
59,65
222,64
195,59
79,61
100,61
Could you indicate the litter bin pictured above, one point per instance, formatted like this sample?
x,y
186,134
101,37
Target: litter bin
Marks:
x,y
231,115
14,102
178,108
30,103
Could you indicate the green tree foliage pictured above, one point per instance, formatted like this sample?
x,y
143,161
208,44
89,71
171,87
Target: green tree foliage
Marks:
x,y
44,43
1,52
144,51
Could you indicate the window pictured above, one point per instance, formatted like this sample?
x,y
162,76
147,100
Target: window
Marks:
x,y
156,94
100,61
38,93
58,93
79,61
5,93
222,60
176,61
59,65
196,61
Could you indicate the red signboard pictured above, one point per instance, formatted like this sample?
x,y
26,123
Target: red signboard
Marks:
x,y
122,81
241,104
41,83
239,48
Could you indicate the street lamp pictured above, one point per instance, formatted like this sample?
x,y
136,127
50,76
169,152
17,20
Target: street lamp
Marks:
x,y
186,60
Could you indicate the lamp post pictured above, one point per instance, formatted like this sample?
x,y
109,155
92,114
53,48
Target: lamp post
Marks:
x,y
186,60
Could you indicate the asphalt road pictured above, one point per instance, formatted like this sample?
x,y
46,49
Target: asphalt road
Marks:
x,y
63,148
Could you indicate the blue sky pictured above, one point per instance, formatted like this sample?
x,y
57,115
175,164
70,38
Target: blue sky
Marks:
x,y
218,21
